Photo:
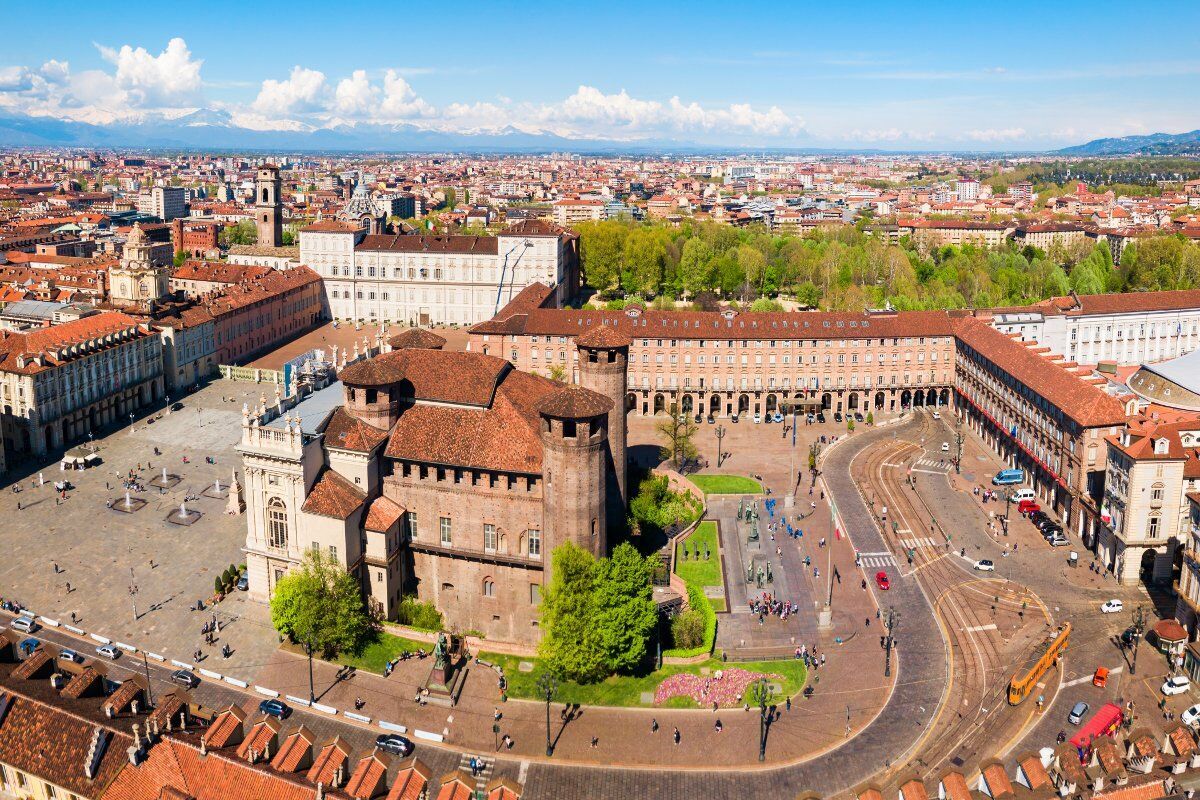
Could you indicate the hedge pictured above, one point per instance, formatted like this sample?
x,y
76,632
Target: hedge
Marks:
x,y
697,600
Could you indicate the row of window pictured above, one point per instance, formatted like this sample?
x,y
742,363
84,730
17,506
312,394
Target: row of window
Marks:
x,y
814,382
530,543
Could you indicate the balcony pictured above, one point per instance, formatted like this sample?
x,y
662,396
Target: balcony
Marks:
x,y
1190,602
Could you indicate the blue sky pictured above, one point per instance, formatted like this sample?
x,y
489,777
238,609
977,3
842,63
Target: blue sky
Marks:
x,y
888,75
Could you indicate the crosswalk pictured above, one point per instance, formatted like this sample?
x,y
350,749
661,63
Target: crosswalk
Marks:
x,y
482,776
876,559
913,544
937,465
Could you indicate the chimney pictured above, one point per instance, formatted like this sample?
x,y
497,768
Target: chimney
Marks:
x,y
203,746
137,735
320,791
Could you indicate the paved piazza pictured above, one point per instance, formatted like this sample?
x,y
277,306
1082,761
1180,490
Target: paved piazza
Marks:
x,y
96,548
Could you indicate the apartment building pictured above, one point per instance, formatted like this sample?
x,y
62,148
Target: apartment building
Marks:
x,y
1133,328
571,210
61,382
939,232
725,363
165,202
1041,414
427,280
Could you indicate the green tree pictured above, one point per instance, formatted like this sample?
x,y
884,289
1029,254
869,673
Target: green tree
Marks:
x,y
678,432
180,257
571,646
625,612
320,606
602,248
242,233
695,267
645,258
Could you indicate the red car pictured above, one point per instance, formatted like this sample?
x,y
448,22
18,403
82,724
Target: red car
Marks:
x,y
881,580
1028,506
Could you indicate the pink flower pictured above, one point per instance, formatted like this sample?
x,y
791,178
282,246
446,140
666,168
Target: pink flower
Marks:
x,y
728,690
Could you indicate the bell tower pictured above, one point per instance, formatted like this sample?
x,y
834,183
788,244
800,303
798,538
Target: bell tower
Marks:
x,y
268,208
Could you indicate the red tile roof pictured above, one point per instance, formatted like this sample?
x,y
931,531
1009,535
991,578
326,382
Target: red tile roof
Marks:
x,y
226,728
334,496
382,514
347,432
1077,398
370,777
261,736
53,344
457,785
295,750
400,243
325,766
432,375
411,779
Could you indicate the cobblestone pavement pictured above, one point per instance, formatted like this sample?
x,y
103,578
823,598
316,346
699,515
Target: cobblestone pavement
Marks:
x,y
101,552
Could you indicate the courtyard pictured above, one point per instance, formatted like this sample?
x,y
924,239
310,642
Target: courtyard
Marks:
x,y
78,556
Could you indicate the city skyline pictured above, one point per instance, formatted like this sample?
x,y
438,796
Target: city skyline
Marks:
x,y
810,77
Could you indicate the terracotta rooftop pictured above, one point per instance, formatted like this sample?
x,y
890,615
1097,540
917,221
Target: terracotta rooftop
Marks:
x,y
412,777
369,777
226,728
418,338
604,336
382,514
399,243
574,402
333,755
347,432
333,496
432,375
295,751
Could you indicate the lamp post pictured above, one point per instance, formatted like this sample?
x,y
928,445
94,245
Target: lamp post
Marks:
x,y
720,450
958,435
547,686
312,694
761,693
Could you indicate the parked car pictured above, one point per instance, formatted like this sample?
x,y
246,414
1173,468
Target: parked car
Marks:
x,y
1113,606
66,654
757,419
1078,712
712,420
698,418
393,743
1028,506
985,565
109,651
937,415
1190,715
945,447
275,708
837,416
1058,540
820,416
881,580
1176,685
777,417
24,624
243,583
733,418
1024,493
858,417
185,678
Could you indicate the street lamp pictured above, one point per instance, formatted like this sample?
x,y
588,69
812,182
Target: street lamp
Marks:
x,y
760,692
547,686
312,694
720,436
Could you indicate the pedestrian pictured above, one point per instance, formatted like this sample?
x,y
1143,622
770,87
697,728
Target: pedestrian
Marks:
x,y
474,766
595,741
55,565
789,703
718,727
68,587
653,725
73,618
676,736
496,714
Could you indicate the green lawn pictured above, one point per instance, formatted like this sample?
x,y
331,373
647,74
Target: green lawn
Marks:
x,y
726,484
701,573
626,690
385,647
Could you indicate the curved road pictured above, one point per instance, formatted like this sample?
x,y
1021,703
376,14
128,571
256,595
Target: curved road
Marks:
x,y
921,679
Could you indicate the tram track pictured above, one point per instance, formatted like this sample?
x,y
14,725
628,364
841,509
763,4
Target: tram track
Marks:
x,y
972,610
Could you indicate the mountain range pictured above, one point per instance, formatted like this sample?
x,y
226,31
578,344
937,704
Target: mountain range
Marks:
x,y
1154,144
208,129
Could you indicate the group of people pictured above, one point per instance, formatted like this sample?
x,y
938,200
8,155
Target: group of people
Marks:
x,y
768,604
811,658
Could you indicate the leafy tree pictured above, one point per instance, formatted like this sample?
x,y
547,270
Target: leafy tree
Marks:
x,y
687,630
678,432
695,267
766,304
602,247
645,258
572,645
320,606
557,372
244,232
180,257
625,612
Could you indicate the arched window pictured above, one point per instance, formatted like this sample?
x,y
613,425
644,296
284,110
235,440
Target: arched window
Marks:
x,y
489,587
277,524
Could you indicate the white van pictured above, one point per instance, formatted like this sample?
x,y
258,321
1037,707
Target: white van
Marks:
x,y
1024,493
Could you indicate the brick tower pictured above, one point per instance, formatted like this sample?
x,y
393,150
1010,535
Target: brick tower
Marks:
x,y
603,368
268,208
574,424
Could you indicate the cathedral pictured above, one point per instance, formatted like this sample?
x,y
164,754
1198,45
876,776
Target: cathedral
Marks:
x,y
446,476
136,283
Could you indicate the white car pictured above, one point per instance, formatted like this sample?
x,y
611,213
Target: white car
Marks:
x,y
108,651
937,415
1177,685
1190,715
24,623
985,565
1112,607
945,447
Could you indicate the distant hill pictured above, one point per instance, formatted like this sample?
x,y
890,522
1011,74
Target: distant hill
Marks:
x,y
1154,144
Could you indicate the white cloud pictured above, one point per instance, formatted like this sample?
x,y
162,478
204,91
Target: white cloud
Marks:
x,y
304,91
168,80
15,79
996,135
400,101
55,71
355,95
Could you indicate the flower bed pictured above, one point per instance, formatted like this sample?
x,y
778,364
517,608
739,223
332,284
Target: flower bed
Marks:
x,y
728,689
